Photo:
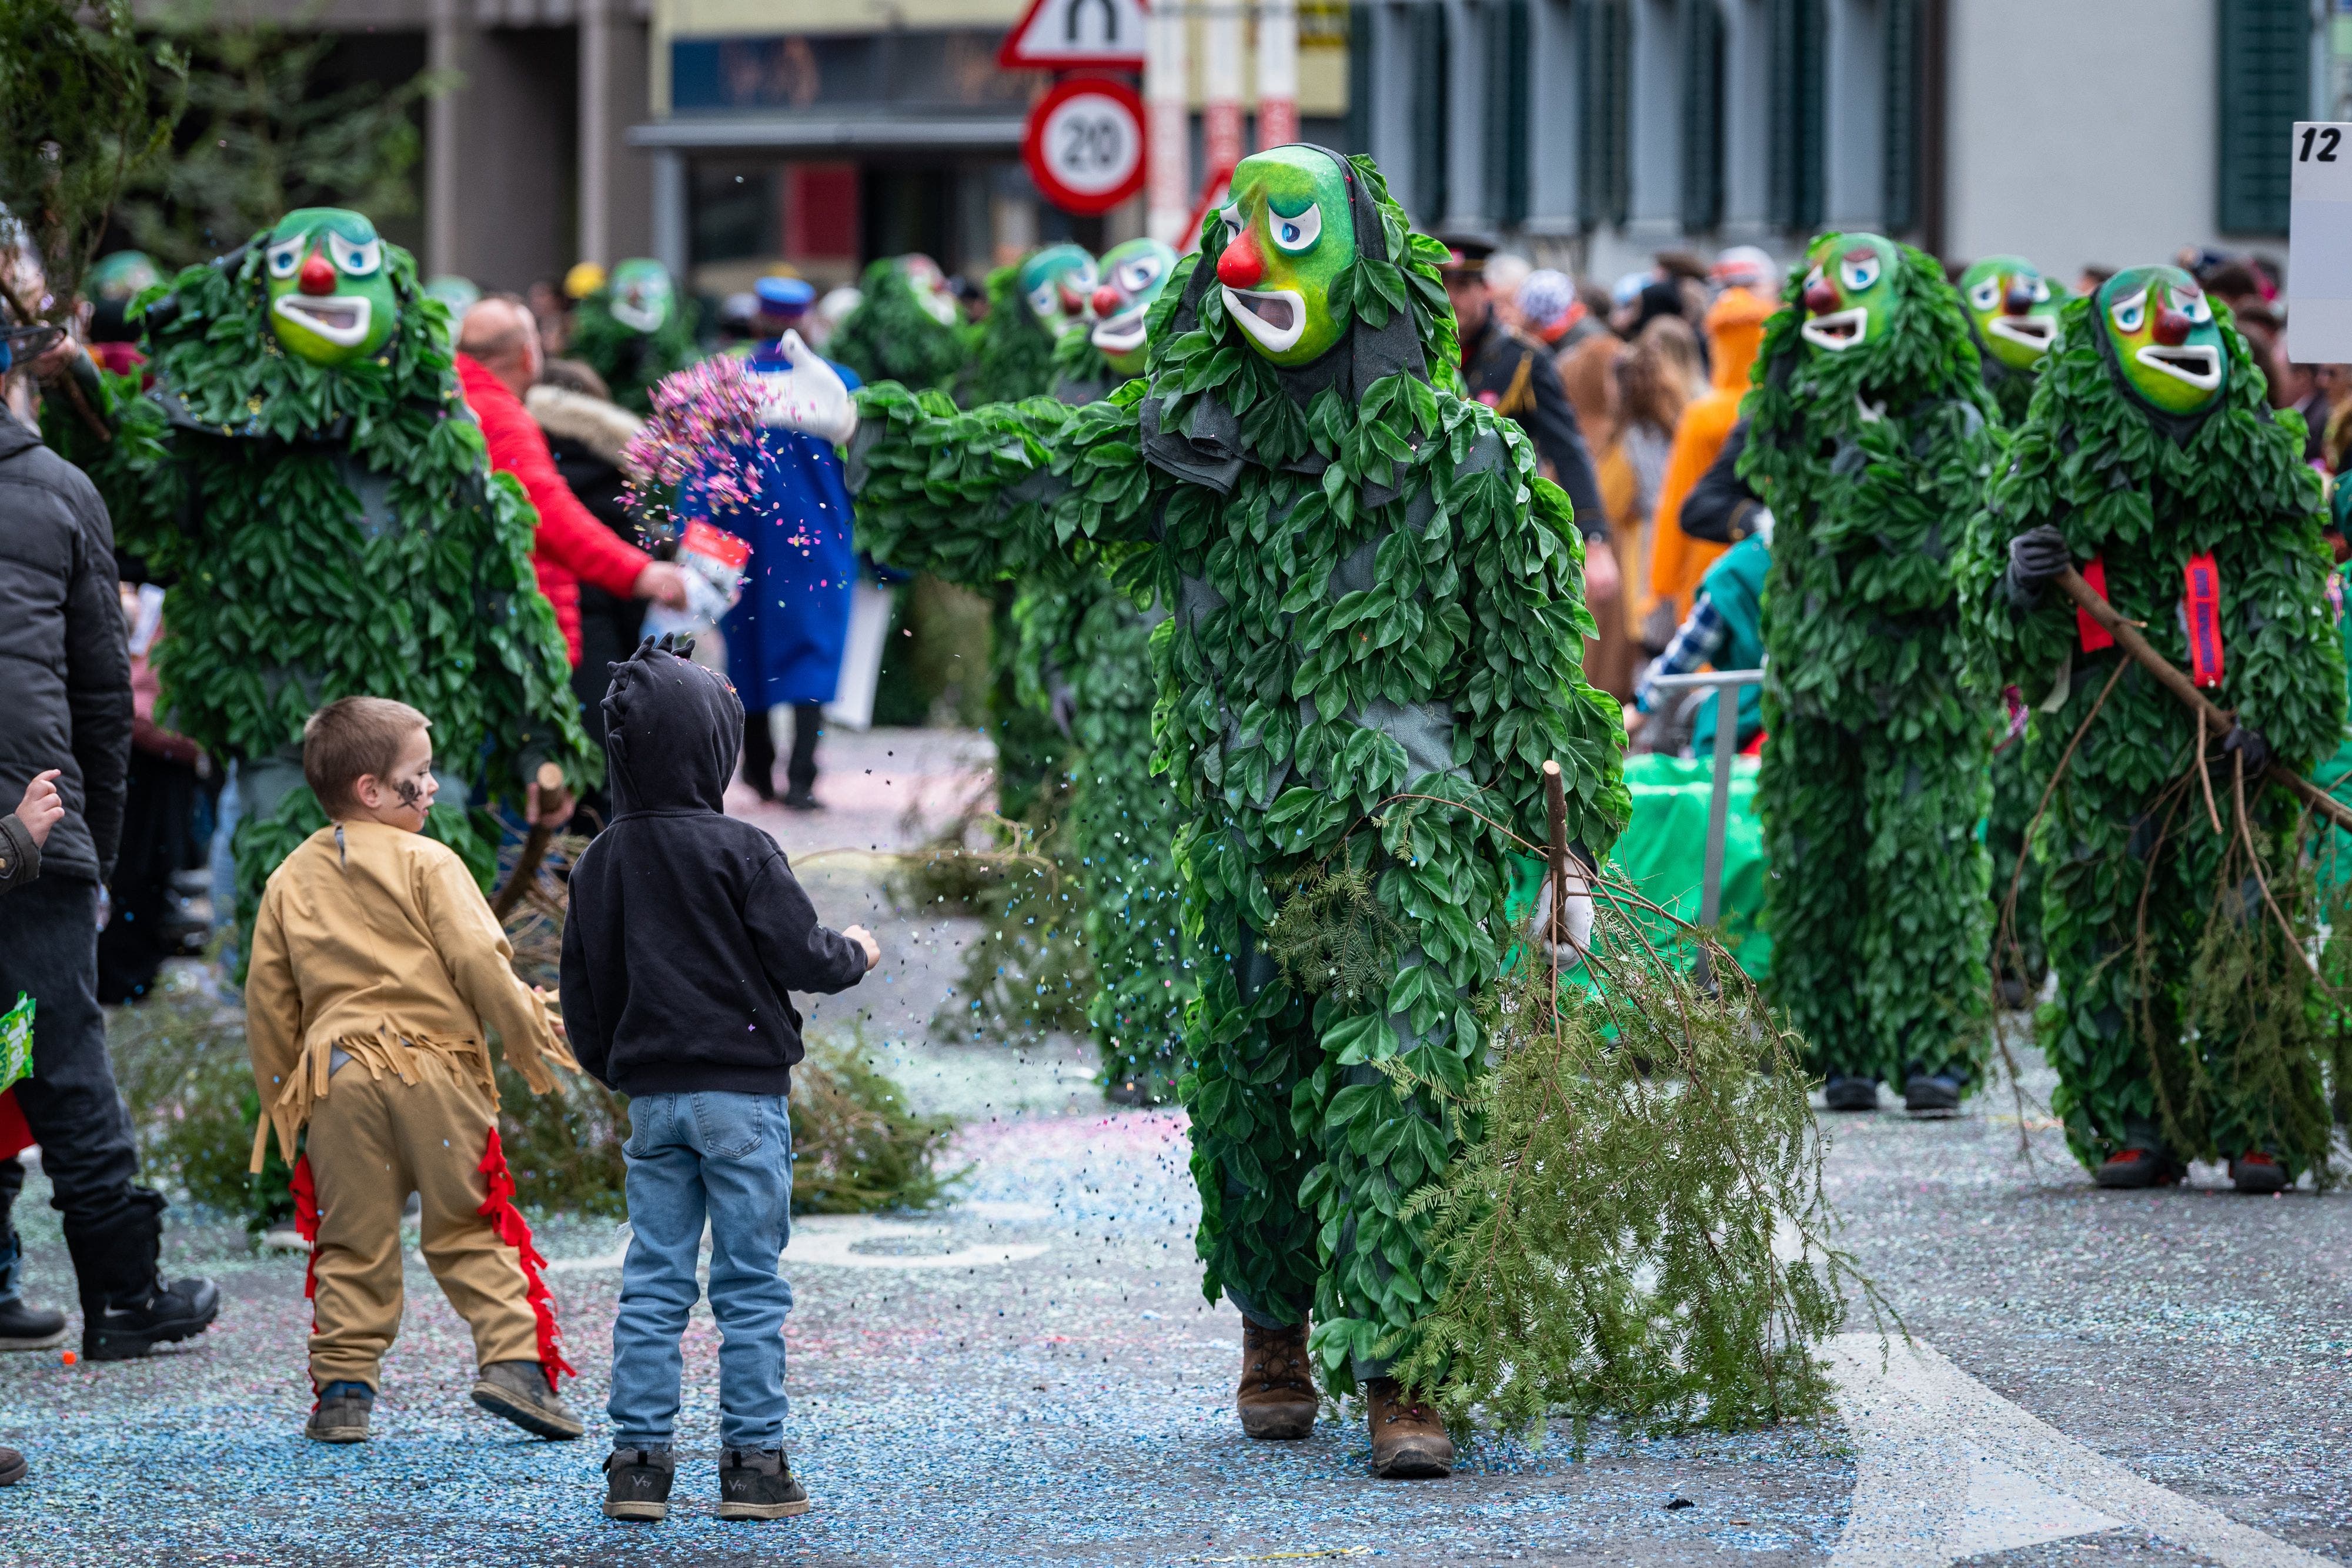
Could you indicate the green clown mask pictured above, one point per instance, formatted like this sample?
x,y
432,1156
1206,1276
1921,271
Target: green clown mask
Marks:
x,y
122,277
1849,291
1058,282
930,288
2165,342
641,296
1288,234
2014,309
1133,274
331,298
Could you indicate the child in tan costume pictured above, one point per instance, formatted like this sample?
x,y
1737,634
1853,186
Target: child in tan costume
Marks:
x,y
377,973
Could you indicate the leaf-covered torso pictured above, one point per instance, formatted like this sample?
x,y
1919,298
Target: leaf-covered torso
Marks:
x,y
891,338
631,361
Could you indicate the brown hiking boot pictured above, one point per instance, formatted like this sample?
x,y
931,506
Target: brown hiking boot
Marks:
x,y
522,1393
1409,1442
1278,1393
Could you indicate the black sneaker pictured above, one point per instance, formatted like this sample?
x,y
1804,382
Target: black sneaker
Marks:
x,y
2134,1168
341,1413
1932,1094
2256,1172
181,1310
29,1328
758,1484
637,1482
802,801
1844,1093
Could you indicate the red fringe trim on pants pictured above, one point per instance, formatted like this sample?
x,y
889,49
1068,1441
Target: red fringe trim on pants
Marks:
x,y
306,1226
499,1208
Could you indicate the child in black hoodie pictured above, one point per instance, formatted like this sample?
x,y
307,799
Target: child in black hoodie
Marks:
x,y
685,932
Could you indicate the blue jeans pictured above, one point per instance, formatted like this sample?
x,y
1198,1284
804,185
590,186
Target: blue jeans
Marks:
x,y
728,1156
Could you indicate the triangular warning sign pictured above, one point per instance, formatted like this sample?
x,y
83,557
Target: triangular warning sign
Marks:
x,y
1062,35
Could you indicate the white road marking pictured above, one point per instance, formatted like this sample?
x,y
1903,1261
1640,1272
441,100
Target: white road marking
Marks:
x,y
1950,1469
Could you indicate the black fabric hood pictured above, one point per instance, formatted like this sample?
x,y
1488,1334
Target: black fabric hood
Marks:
x,y
672,731
1211,445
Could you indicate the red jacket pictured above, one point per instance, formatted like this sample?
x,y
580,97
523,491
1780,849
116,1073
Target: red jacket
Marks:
x,y
570,544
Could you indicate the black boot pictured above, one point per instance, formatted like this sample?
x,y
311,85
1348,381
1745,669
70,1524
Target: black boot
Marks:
x,y
21,1327
127,1306
758,755
800,768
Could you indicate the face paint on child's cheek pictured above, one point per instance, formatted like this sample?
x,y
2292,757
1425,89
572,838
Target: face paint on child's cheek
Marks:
x,y
412,794
1289,236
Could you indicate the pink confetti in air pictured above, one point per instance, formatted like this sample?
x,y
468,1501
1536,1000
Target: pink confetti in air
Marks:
x,y
705,427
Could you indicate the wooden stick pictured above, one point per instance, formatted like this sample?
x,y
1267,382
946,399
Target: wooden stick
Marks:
x,y
2220,719
526,871
1556,803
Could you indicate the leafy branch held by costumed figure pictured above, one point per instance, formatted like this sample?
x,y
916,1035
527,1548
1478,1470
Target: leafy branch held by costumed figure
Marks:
x,y
305,475
1868,437
2178,900
2013,316
1375,617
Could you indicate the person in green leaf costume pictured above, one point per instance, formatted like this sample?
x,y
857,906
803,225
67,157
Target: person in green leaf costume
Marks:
x,y
2151,460
635,331
1371,595
1031,306
906,327
305,475
1868,437
1091,364
2014,315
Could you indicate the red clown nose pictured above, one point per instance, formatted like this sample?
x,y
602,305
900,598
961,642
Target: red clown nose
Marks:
x,y
318,275
1106,301
2172,327
1820,298
1242,266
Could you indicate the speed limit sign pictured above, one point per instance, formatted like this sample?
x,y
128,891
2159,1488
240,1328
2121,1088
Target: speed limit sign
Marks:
x,y
1084,144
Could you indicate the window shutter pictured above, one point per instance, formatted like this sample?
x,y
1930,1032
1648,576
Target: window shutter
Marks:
x,y
1900,199
1362,39
1798,33
2265,65
1508,61
1429,138
1603,41
1702,204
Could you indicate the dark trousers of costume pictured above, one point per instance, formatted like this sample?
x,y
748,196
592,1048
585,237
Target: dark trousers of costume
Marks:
x,y
1876,902
760,749
158,839
48,949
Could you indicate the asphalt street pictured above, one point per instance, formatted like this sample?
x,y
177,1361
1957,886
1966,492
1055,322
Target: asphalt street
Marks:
x,y
1031,1377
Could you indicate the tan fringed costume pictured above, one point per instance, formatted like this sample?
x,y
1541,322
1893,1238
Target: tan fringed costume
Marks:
x,y
377,974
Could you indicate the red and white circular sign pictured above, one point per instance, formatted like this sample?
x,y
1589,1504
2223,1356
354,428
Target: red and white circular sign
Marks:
x,y
1084,145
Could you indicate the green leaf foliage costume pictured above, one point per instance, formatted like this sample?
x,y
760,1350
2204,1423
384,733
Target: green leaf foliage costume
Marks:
x,y
635,331
1868,438
307,477
2013,316
1031,306
906,327
2181,1026
1370,593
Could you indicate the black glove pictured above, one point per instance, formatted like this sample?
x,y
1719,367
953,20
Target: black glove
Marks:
x,y
2035,557
2251,747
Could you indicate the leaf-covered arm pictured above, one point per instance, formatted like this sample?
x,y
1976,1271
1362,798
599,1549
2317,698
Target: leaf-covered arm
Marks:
x,y
959,493
2284,659
2025,644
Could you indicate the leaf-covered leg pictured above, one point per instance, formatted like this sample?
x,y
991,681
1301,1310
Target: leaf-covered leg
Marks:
x,y
1809,794
1252,1048
1924,931
2016,793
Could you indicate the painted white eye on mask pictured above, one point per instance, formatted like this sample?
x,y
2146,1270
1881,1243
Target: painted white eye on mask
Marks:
x,y
2040,290
1296,233
1858,273
1044,299
285,257
1985,295
2130,314
1136,275
354,260
1231,218
2195,307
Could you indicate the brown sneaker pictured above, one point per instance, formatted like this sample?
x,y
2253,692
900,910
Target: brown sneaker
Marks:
x,y
522,1393
1409,1442
341,1413
1278,1393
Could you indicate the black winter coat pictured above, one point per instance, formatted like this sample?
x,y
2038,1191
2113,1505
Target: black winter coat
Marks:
x,y
65,655
686,928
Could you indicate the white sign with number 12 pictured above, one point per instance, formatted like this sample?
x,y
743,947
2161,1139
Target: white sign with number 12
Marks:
x,y
2320,244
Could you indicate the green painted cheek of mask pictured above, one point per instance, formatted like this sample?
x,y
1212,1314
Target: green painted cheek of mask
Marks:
x,y
1138,272
1291,226
354,318
2139,308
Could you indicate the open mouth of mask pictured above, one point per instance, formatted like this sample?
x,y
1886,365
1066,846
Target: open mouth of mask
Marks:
x,y
2197,364
339,320
2034,331
1839,329
1275,318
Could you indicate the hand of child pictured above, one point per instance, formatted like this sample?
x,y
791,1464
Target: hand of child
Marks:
x,y
865,939
41,806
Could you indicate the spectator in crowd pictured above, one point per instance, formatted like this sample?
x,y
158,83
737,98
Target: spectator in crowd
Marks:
x,y
2091,277
2242,288
1735,330
146,923
1655,378
586,433
65,665
1512,375
1505,271
498,361
1747,267
1550,312
23,831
